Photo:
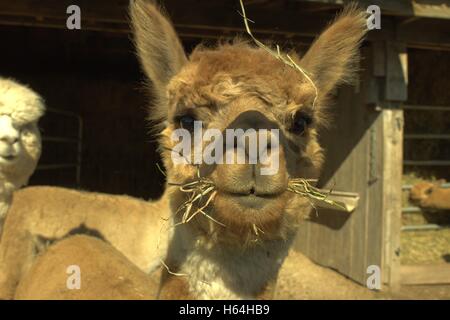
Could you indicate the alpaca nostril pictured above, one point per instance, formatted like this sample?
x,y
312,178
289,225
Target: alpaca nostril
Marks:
x,y
9,139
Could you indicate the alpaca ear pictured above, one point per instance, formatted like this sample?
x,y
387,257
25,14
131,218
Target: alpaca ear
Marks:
x,y
158,46
334,56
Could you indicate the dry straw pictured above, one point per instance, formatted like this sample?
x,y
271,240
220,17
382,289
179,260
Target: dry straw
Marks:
x,y
198,190
304,188
286,59
202,188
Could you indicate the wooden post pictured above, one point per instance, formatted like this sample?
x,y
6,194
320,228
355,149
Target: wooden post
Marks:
x,y
395,93
392,171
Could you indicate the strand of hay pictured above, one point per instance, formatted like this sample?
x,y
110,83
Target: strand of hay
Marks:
x,y
305,189
198,189
277,54
171,272
257,230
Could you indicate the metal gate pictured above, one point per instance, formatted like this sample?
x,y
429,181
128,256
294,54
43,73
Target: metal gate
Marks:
x,y
428,163
433,273
77,143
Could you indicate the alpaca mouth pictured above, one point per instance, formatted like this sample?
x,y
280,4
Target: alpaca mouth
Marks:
x,y
253,201
8,158
239,211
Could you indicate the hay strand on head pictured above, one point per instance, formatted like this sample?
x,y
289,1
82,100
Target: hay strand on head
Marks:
x,y
277,54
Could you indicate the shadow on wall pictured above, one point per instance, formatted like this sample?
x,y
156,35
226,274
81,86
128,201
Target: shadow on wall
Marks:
x,y
346,145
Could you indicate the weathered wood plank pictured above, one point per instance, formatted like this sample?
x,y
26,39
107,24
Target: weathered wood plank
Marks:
x,y
379,58
392,193
396,88
373,231
400,7
348,243
206,21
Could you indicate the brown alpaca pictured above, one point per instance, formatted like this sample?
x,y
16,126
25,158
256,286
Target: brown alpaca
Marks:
x,y
230,86
430,195
40,216
123,279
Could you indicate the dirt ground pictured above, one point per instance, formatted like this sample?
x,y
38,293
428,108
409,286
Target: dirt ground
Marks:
x,y
301,279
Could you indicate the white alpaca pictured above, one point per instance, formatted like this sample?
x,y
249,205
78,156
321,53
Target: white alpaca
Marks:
x,y
20,141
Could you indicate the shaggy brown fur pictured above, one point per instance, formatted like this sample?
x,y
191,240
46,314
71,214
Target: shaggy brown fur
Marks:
x,y
235,86
40,216
110,275
430,195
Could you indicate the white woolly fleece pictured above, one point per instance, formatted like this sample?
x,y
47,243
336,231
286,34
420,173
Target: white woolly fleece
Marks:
x,y
20,102
25,107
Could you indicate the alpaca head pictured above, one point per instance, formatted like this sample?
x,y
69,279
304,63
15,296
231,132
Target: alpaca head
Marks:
x,y
421,192
240,86
20,141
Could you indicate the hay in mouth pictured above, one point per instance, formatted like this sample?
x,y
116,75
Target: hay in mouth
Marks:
x,y
304,188
197,190
203,188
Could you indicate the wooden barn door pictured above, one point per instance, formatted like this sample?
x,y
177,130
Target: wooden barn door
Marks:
x,y
364,156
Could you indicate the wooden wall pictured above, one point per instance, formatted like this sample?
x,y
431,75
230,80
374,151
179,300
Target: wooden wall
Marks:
x,y
363,155
349,242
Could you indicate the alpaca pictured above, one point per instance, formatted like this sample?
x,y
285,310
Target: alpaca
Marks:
x,y
122,278
430,195
42,215
20,140
236,244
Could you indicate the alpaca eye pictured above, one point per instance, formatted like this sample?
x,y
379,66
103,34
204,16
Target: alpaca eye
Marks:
x,y
187,122
301,121
429,191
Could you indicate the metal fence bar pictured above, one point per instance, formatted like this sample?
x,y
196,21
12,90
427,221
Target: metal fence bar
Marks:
x,y
63,112
78,141
427,136
409,186
424,227
56,166
59,139
426,162
426,108
411,210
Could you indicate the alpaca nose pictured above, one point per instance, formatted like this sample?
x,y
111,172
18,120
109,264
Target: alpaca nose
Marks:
x,y
10,138
253,120
8,133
